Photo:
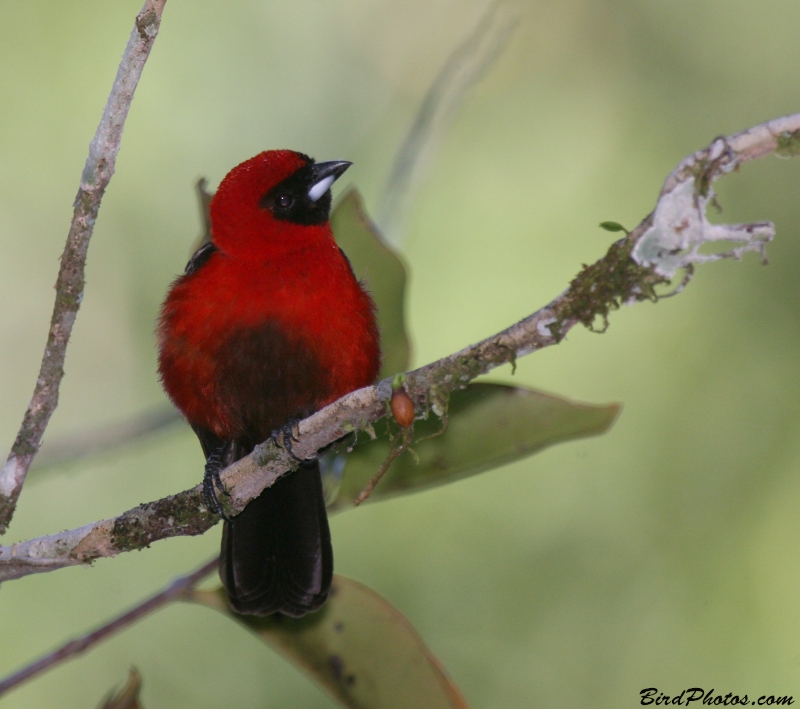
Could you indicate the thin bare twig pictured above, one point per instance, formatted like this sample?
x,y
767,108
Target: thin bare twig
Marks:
x,y
69,449
176,589
629,272
96,175
465,66
406,438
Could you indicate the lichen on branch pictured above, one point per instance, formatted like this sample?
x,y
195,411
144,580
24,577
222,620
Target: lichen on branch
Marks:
x,y
95,177
619,277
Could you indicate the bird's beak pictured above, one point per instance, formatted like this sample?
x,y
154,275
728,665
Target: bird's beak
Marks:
x,y
324,175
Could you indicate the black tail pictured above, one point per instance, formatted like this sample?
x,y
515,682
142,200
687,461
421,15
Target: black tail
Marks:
x,y
276,554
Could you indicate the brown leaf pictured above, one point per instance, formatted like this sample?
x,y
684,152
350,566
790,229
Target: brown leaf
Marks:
x,y
128,696
358,647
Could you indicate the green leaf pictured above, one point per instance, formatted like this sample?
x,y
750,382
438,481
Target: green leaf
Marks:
x,y
358,647
383,272
613,226
128,696
488,425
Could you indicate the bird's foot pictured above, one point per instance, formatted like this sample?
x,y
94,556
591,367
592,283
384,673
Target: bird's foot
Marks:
x,y
212,482
284,436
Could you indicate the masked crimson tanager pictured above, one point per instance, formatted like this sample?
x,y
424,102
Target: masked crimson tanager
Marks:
x,y
267,325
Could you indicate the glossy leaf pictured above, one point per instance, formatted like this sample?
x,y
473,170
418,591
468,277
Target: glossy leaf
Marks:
x,y
377,265
488,425
358,647
128,696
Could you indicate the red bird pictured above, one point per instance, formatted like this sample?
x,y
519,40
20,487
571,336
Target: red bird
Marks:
x,y
267,325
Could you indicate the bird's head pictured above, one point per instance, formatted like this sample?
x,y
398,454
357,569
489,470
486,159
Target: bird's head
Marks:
x,y
275,199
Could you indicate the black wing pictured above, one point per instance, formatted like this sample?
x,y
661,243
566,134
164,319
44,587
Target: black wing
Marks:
x,y
350,265
228,451
200,257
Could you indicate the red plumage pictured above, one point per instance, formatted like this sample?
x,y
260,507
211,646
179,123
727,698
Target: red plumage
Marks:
x,y
268,324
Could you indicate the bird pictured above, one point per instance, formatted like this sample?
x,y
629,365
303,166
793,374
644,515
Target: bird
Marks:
x,y
267,325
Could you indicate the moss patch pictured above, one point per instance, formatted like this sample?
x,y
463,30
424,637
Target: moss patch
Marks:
x,y
604,286
788,144
173,516
7,505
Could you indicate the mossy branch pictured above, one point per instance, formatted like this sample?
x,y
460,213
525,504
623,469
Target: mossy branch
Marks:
x,y
630,271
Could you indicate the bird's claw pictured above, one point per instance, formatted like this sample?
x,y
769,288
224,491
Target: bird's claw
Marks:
x,y
284,436
212,482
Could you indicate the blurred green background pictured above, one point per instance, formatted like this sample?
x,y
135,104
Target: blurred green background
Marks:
x,y
664,554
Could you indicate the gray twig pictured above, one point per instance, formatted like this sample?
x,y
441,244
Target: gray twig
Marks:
x,y
173,591
72,448
615,279
465,66
96,175
405,438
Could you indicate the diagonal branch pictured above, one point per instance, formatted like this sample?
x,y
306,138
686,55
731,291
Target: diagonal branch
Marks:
x,y
464,67
176,589
96,175
649,256
73,446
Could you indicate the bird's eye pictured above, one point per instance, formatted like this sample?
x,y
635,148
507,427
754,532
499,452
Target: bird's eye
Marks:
x,y
284,201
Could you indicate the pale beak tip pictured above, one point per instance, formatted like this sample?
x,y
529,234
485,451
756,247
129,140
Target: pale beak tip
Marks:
x,y
320,188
